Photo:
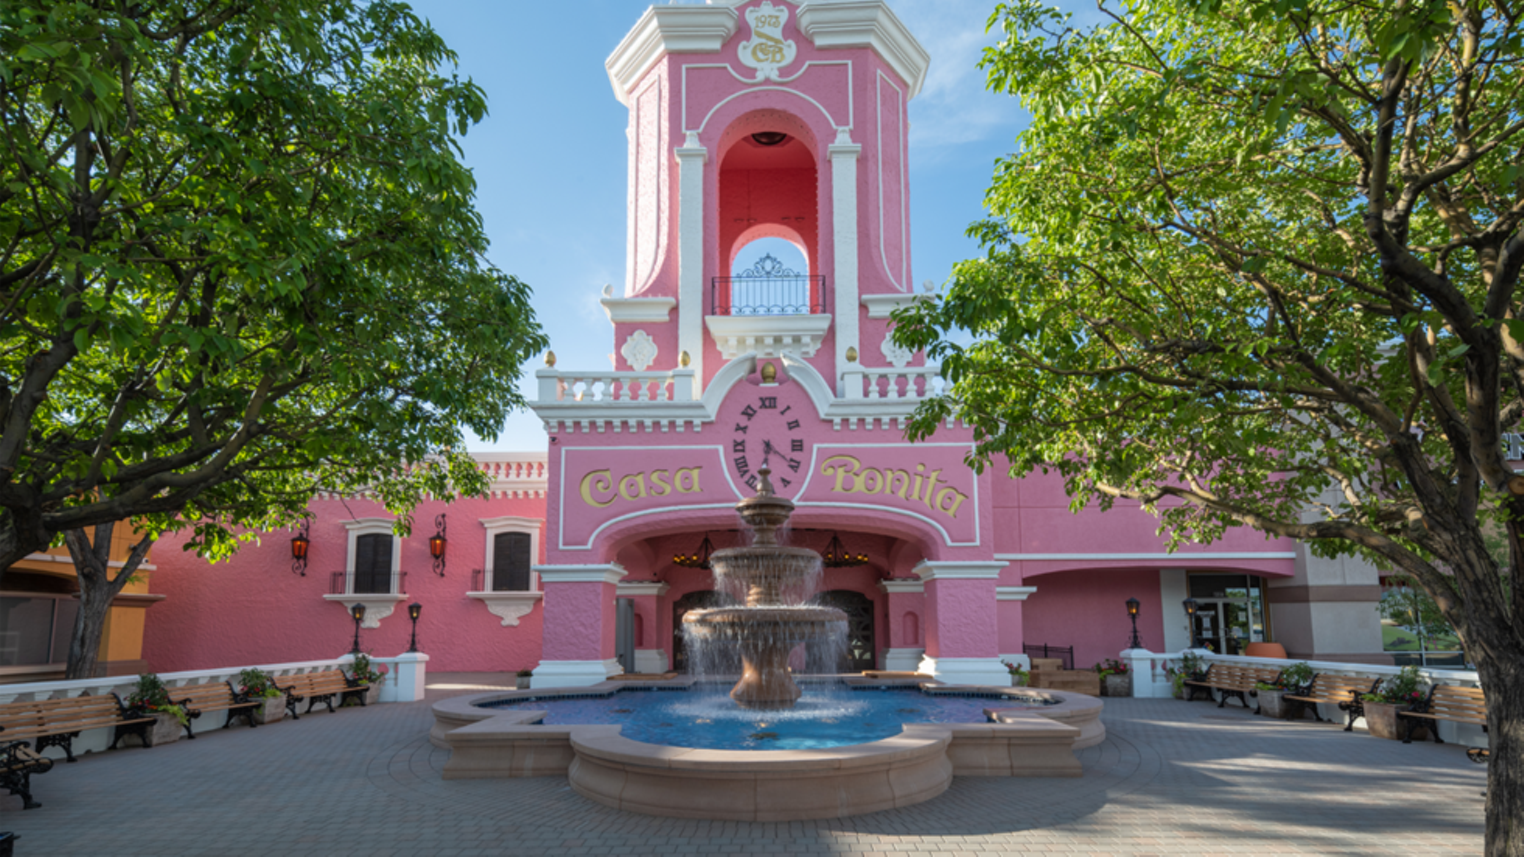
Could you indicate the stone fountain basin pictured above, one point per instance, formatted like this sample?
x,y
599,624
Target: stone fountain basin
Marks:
x,y
764,785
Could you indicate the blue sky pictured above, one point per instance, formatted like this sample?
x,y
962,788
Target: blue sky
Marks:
x,y
550,158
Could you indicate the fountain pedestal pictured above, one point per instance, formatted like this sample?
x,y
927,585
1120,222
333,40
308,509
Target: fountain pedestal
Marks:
x,y
767,629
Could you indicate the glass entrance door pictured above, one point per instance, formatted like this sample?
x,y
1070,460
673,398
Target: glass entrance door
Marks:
x,y
1230,611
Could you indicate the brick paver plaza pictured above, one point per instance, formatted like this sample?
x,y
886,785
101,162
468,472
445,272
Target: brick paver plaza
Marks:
x,y
1171,778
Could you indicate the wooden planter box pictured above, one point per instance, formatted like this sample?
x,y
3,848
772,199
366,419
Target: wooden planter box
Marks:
x,y
1079,681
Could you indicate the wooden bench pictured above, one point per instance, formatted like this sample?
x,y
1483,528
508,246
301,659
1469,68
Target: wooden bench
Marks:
x,y
1341,690
1232,680
319,688
197,699
18,762
57,722
1446,702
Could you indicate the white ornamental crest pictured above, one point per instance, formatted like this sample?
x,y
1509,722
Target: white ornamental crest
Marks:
x,y
766,51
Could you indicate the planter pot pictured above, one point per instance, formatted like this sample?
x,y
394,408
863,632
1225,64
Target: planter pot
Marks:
x,y
1272,703
1018,681
1381,720
1117,685
165,730
273,710
521,682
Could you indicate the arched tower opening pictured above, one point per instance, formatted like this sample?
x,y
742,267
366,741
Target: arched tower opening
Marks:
x,y
769,188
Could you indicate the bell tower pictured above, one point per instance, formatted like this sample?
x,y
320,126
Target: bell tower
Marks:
x,y
756,119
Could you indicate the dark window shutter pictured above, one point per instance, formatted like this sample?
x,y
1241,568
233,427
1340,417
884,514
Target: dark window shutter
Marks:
x,y
510,562
373,563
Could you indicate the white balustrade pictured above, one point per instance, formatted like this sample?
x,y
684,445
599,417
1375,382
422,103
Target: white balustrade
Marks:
x,y
888,383
601,388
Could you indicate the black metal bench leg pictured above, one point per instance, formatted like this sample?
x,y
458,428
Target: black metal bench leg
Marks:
x,y
64,742
20,784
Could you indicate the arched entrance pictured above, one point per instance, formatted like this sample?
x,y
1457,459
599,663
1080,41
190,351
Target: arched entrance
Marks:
x,y
860,653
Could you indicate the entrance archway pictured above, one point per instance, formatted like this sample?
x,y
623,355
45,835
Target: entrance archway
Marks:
x,y
860,653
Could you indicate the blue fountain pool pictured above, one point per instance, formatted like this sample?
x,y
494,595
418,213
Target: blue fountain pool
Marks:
x,y
826,716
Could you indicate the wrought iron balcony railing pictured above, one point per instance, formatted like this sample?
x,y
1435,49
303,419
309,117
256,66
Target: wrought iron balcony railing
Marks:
x,y
768,288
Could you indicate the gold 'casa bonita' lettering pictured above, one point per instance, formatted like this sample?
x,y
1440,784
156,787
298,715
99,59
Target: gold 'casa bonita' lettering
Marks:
x,y
929,488
598,488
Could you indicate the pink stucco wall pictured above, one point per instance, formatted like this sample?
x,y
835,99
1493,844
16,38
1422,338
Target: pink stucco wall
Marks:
x,y
253,609
1088,610
961,619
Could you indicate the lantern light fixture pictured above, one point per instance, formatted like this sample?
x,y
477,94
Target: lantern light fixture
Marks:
x,y
413,610
357,610
299,545
699,558
1190,617
836,555
1132,612
437,544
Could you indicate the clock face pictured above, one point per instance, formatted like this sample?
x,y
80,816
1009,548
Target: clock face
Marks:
x,y
769,428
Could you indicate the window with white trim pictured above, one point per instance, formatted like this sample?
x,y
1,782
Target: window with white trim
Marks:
x,y
374,565
513,547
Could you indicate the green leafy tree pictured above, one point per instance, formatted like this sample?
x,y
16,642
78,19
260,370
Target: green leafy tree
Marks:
x,y
1257,264
239,260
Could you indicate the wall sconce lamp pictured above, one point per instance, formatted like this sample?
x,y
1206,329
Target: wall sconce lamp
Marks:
x,y
358,612
437,544
412,613
299,544
1190,619
1132,611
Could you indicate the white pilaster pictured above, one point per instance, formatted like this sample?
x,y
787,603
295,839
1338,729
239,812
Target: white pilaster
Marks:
x,y
574,673
844,154
410,679
903,660
1173,591
691,158
975,671
650,661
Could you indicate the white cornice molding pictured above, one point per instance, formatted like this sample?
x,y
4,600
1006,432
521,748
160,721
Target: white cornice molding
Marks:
x,y
667,30
609,572
914,587
954,570
880,306
1013,593
1159,557
867,24
638,588
639,310
768,336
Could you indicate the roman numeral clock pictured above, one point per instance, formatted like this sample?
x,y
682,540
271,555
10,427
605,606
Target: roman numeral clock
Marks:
x,y
770,427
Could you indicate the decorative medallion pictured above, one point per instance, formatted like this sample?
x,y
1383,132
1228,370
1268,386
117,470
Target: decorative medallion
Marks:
x,y
767,51
639,350
898,356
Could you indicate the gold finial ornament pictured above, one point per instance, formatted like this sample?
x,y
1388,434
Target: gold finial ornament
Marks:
x,y
769,372
852,354
683,360
550,359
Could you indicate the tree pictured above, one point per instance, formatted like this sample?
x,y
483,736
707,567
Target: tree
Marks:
x,y
239,260
1257,264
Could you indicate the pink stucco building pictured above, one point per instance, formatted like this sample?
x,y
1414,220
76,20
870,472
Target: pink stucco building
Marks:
x,y
754,119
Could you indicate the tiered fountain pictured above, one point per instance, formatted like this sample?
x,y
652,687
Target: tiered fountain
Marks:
x,y
767,628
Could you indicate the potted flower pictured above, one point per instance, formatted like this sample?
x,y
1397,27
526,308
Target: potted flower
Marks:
x,y
1272,695
1401,691
1115,678
151,697
1018,675
365,672
259,685
521,679
1190,667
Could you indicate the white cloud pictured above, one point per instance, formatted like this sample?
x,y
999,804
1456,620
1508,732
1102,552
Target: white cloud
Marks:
x,y
954,107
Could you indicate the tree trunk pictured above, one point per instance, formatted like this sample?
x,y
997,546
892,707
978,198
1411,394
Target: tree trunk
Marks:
x,y
1504,686
97,589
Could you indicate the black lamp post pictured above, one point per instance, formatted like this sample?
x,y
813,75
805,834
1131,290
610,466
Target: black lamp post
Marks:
x,y
1190,618
358,612
1132,611
412,613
